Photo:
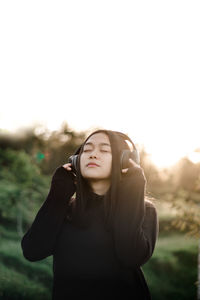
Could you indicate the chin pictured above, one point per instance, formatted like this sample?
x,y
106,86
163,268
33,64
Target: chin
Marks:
x,y
91,173
93,176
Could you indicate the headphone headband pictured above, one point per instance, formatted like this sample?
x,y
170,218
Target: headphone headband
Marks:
x,y
126,137
123,135
125,155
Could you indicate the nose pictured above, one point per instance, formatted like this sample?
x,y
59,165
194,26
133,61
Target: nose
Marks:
x,y
93,154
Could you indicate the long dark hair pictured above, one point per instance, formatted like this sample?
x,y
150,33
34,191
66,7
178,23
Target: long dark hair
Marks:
x,y
79,211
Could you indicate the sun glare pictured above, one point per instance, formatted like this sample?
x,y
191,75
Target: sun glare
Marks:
x,y
167,157
194,157
161,160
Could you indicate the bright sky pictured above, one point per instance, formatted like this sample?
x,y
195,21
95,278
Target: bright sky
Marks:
x,y
131,66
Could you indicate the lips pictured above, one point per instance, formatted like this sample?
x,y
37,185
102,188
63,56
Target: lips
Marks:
x,y
91,164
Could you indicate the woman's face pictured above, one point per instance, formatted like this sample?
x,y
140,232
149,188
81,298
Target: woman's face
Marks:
x,y
96,158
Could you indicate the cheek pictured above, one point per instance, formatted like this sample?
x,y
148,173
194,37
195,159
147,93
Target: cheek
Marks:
x,y
81,163
109,164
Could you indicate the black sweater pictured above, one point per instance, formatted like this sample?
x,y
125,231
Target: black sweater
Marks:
x,y
87,262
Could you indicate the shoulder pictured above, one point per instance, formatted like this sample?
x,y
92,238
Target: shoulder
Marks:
x,y
151,214
150,207
149,204
151,219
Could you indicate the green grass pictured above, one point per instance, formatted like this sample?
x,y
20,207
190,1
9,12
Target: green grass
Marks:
x,y
19,278
171,272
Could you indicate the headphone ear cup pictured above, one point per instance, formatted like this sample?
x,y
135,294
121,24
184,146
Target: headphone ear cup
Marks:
x,y
73,159
126,154
125,159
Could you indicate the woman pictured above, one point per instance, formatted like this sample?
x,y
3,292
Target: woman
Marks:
x,y
100,238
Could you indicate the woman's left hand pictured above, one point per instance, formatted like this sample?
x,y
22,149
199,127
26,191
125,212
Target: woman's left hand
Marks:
x,y
134,165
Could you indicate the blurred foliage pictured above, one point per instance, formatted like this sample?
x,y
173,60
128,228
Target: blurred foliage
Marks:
x,y
27,161
19,278
187,205
183,193
174,264
48,149
22,186
179,187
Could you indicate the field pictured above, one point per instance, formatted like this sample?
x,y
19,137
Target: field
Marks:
x,y
171,273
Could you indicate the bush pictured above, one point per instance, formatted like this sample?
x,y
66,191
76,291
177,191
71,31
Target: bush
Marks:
x,y
22,188
172,268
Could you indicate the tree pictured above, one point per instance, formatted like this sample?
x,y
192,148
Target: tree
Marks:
x,y
185,198
22,186
48,149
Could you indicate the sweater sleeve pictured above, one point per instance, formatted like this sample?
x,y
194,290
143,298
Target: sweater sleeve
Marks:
x,y
136,222
39,241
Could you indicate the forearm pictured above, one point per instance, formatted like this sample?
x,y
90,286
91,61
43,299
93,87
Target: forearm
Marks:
x,y
138,245
39,240
136,224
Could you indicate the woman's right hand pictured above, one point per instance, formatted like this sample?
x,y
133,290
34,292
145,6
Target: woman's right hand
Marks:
x,y
68,167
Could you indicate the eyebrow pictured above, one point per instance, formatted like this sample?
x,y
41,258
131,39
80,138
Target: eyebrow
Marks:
x,y
101,144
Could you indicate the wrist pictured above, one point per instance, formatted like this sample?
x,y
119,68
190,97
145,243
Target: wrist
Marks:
x,y
134,178
62,174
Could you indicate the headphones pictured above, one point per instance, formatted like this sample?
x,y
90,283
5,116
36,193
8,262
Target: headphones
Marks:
x,y
124,159
126,154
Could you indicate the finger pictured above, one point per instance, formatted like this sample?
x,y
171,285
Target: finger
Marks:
x,y
68,164
124,170
133,163
67,167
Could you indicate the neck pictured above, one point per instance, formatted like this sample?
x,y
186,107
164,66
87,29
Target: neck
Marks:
x,y
100,187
